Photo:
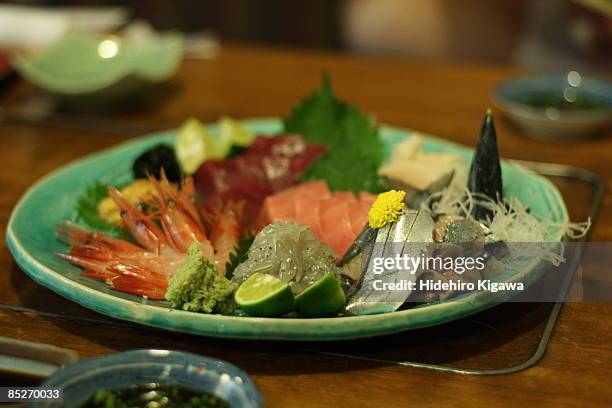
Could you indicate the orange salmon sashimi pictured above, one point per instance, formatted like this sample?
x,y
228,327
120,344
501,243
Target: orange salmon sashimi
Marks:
x,y
144,267
336,218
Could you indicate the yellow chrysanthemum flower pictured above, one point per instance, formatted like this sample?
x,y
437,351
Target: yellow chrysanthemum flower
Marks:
x,y
386,208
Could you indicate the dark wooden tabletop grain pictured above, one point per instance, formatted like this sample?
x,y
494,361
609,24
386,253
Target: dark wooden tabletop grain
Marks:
x,y
441,99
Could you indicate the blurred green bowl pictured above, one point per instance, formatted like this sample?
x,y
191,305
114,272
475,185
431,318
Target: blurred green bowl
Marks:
x,y
85,65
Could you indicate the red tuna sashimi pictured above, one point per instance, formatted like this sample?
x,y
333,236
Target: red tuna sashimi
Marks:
x,y
344,196
307,212
337,198
284,158
283,199
280,211
288,204
317,187
307,205
269,165
335,217
337,230
358,214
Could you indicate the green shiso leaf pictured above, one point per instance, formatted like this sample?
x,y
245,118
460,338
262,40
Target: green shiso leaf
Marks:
x,y
240,255
354,149
87,206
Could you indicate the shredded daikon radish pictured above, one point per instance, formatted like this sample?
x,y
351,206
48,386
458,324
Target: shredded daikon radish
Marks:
x,y
511,222
450,200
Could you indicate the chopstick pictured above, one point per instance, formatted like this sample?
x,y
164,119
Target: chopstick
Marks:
x,y
29,360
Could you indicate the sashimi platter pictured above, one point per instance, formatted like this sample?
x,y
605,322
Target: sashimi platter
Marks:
x,y
322,225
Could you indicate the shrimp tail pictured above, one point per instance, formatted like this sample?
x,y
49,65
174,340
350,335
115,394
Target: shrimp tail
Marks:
x,y
135,286
122,274
90,264
73,234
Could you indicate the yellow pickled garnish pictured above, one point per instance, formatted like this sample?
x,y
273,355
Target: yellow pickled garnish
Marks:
x,y
138,191
108,211
386,208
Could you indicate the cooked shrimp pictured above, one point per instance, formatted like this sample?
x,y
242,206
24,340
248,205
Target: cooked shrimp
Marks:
x,y
139,287
141,225
118,262
117,273
226,225
97,258
185,196
144,268
73,234
180,228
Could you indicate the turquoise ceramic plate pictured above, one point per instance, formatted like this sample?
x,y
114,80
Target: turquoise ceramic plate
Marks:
x,y
52,199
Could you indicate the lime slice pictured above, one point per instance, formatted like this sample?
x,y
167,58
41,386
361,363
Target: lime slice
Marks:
x,y
194,145
265,295
323,298
232,132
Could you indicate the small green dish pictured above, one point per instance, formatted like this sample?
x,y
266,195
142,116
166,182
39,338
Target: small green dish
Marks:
x,y
82,64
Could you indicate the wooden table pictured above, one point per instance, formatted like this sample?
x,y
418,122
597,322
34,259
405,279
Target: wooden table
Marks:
x,y
442,99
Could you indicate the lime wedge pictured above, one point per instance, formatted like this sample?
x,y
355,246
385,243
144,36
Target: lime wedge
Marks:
x,y
232,132
194,145
265,295
323,298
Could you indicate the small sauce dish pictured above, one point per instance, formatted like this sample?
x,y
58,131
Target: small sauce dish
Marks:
x,y
138,367
557,107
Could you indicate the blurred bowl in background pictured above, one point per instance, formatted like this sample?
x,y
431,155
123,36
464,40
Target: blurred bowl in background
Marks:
x,y
557,107
138,367
88,66
26,26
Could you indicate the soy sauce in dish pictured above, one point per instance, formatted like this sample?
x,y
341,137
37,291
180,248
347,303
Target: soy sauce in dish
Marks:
x,y
568,100
154,396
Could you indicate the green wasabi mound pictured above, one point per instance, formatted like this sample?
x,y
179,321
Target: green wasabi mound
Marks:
x,y
197,286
